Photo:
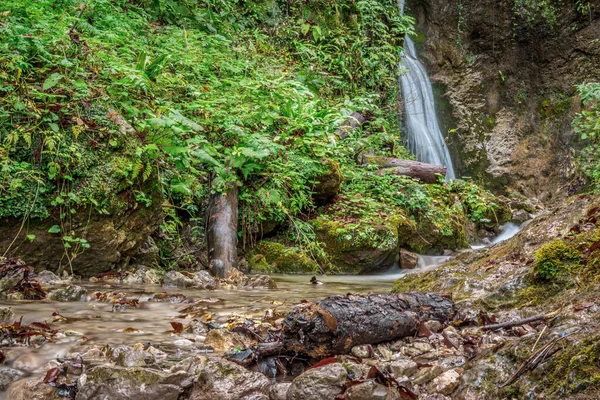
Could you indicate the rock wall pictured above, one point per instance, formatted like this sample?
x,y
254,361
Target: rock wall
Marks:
x,y
506,81
116,240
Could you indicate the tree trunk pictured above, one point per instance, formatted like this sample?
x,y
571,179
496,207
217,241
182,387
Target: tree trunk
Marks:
x,y
338,323
354,121
222,231
427,173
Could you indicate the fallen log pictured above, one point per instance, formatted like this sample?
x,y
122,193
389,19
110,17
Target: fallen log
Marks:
x,y
338,323
222,231
427,173
354,121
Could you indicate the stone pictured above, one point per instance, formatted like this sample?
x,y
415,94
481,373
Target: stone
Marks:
x,y
371,390
520,216
418,348
408,259
224,380
279,391
6,314
385,352
427,374
260,282
8,376
436,396
32,389
132,358
107,381
29,362
401,368
177,279
324,382
203,280
363,351
445,383
151,277
46,277
222,339
68,293
433,325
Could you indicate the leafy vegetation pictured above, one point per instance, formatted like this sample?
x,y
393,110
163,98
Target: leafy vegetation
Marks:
x,y
554,258
587,126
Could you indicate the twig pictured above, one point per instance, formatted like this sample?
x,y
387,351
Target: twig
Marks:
x,y
83,6
539,337
510,324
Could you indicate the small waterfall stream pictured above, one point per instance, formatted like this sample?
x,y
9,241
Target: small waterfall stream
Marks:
x,y
425,139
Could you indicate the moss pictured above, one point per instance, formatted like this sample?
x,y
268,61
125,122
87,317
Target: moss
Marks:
x,y
555,258
275,257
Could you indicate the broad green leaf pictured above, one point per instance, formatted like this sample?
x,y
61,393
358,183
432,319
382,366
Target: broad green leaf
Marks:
x,y
52,81
54,229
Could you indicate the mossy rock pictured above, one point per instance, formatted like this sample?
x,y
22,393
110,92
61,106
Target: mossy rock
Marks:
x,y
424,236
329,182
554,259
360,247
500,214
272,257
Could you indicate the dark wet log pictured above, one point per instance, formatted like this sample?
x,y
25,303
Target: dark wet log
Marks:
x,y
222,231
354,121
338,323
427,173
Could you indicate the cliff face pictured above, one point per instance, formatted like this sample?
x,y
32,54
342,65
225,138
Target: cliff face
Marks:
x,y
506,77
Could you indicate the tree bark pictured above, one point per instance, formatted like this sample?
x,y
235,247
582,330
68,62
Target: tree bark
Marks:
x,y
222,231
427,173
338,323
354,121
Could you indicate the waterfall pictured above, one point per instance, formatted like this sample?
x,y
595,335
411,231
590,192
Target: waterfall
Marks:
x,y
425,139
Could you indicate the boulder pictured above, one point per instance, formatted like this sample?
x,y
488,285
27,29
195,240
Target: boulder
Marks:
x,y
32,389
68,293
177,279
46,277
238,279
272,257
279,391
203,280
371,390
224,380
107,382
324,382
408,259
8,376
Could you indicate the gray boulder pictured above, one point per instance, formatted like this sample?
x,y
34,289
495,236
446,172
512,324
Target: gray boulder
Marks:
x,y
324,382
68,293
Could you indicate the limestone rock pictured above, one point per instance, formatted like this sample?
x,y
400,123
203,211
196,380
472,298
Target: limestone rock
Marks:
x,y
324,382
279,391
445,383
427,374
224,380
363,351
132,358
260,282
408,260
371,390
8,376
32,389
203,280
106,382
401,368
46,277
68,293
177,279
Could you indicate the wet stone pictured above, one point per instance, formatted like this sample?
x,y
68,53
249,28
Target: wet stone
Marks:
x,y
32,389
68,293
177,279
279,391
363,351
8,376
46,277
6,314
427,374
203,280
371,391
401,368
324,382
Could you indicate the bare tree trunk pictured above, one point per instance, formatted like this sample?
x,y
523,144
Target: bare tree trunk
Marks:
x,y
338,323
222,231
427,173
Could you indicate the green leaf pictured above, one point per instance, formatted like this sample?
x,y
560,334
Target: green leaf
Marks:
x,y
31,237
52,81
54,229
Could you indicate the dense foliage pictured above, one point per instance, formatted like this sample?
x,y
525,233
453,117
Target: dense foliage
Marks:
x,y
587,126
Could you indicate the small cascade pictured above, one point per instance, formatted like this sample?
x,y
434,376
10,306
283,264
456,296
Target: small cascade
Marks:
x,y
425,139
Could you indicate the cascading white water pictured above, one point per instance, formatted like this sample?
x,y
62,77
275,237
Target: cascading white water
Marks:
x,y
425,139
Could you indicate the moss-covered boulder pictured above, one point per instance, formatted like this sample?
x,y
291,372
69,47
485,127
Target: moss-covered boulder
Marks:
x,y
328,184
272,257
360,247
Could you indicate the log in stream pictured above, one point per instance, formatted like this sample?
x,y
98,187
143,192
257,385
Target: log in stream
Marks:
x,y
338,323
222,231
